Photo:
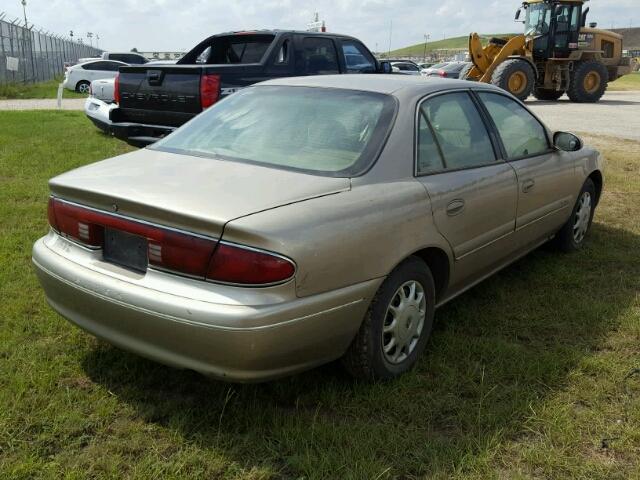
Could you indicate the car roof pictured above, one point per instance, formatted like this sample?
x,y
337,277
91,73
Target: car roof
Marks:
x,y
379,83
280,32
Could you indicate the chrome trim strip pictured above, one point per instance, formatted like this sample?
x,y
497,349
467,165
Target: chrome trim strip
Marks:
x,y
134,219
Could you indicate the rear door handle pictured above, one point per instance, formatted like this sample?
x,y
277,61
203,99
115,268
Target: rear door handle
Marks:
x,y
455,207
528,185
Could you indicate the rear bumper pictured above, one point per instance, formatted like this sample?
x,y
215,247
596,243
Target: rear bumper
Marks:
x,y
232,341
139,134
97,111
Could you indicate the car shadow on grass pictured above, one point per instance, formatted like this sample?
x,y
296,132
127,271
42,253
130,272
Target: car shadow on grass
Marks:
x,y
497,353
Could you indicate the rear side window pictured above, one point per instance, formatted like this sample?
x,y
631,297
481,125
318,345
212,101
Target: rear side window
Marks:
x,y
232,49
357,58
521,134
459,131
103,66
429,158
319,56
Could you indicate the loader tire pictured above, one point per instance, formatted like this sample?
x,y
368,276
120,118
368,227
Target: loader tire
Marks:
x,y
465,72
588,82
547,94
516,76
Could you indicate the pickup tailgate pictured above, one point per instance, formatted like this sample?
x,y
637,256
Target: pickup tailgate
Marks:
x,y
159,94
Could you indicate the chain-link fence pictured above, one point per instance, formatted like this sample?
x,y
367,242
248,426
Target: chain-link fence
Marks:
x,y
28,56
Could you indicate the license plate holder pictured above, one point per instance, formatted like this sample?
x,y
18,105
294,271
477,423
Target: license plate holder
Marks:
x,y
125,249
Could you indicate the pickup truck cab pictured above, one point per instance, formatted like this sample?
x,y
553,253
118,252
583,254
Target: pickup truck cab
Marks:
x,y
153,100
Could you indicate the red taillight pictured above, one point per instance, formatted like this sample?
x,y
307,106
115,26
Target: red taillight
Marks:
x,y
236,264
172,250
116,88
209,90
442,73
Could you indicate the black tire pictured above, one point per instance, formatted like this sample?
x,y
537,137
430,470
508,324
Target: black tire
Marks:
x,y
578,91
81,85
365,358
512,67
465,71
565,240
547,94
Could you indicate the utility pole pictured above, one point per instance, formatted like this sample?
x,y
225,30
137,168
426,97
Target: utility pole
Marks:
x,y
24,10
97,41
426,39
90,36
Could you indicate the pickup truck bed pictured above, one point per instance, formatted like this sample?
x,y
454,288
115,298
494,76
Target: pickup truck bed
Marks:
x,y
153,100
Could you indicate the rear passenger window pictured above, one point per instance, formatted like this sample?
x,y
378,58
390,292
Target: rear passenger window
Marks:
x,y
429,158
521,134
319,56
459,131
357,58
283,53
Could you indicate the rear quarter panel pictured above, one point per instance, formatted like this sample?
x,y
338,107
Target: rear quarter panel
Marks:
x,y
346,238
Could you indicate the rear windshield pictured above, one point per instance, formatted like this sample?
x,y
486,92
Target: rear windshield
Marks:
x,y
316,130
232,49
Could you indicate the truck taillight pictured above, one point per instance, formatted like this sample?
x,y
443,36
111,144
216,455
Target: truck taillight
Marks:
x,y
209,90
116,88
172,250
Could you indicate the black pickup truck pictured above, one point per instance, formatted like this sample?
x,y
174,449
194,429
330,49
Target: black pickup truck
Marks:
x,y
153,100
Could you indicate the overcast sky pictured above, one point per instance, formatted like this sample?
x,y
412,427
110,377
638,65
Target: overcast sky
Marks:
x,y
168,25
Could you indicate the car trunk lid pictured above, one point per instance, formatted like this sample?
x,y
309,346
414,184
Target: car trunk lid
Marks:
x,y
186,192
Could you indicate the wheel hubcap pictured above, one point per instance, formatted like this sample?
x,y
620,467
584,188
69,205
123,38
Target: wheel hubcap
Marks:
x,y
517,82
403,322
84,88
582,217
591,82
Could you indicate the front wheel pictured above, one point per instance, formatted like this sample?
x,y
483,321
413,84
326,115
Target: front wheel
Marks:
x,y
588,82
572,235
396,326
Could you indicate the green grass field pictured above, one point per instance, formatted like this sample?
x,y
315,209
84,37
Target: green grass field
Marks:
x,y
626,83
527,376
447,43
48,89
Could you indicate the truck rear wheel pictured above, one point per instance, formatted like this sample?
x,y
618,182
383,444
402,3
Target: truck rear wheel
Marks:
x,y
588,82
547,94
515,76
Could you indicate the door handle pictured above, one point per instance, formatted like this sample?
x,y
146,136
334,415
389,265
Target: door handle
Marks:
x,y
455,207
528,185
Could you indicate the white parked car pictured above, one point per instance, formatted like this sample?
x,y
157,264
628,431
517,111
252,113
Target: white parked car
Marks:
x,y
406,68
79,77
131,58
433,68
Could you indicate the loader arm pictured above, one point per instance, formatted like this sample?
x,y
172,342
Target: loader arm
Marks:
x,y
486,59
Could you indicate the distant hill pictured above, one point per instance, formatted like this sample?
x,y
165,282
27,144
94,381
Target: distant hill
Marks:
x,y
448,43
631,38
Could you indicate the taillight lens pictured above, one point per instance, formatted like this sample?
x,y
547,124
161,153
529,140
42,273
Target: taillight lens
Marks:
x,y
209,90
116,88
240,265
442,73
171,250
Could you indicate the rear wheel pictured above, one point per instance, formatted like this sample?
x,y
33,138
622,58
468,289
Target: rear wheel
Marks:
x,y
396,326
588,82
83,86
516,76
547,94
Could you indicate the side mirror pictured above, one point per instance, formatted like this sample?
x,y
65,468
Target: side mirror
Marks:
x,y
567,142
384,66
518,12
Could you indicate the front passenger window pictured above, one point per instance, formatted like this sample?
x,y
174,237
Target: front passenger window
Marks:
x,y
459,130
521,134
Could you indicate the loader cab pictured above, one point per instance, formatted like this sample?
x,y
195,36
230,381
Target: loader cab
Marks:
x,y
554,28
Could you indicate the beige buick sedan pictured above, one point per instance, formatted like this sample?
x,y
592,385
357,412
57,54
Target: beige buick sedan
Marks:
x,y
304,220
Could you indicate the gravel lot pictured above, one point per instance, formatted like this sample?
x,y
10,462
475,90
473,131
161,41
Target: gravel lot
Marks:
x,y
617,115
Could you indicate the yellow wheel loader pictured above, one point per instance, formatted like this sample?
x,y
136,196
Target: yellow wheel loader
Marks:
x,y
556,54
